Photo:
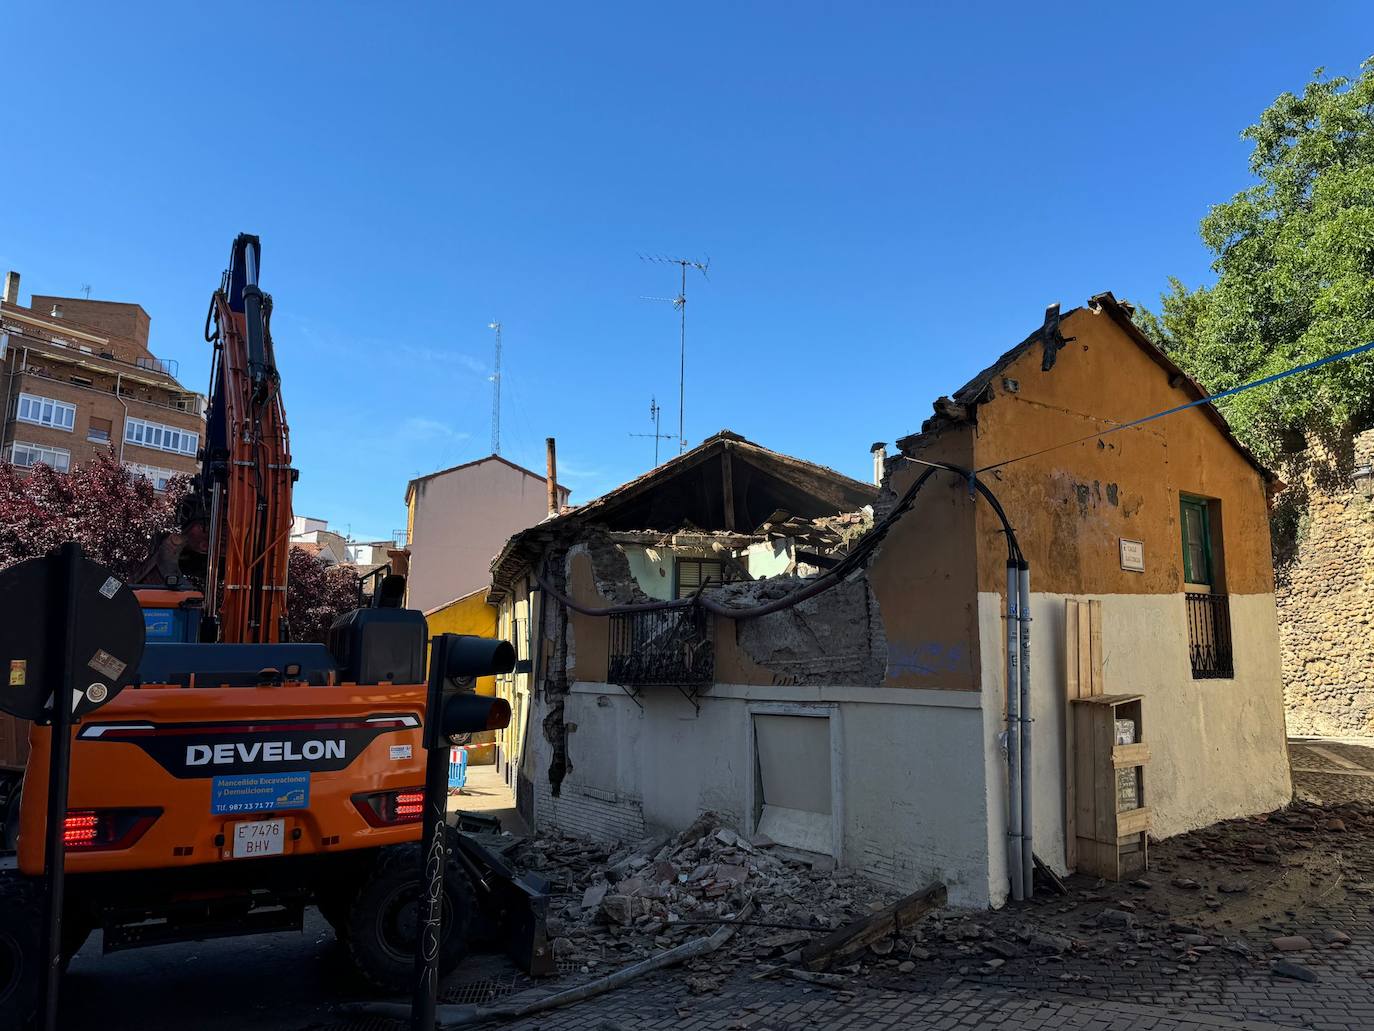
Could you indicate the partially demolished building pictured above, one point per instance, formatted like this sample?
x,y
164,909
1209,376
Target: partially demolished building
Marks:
x,y
822,661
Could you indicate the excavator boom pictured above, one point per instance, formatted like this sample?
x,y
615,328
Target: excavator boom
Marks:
x,y
246,478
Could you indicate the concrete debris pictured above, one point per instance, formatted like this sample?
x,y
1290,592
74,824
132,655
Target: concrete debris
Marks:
x,y
1291,943
1295,971
625,902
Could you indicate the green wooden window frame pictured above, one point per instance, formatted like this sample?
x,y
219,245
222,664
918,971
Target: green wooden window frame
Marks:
x,y
1197,553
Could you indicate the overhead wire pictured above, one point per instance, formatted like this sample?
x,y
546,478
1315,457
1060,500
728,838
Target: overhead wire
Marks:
x,y
1210,399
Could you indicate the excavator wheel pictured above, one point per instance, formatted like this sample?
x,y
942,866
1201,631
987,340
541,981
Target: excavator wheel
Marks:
x,y
384,917
21,969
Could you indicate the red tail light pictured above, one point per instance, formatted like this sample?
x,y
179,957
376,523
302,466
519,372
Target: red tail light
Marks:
x,y
81,829
389,808
101,830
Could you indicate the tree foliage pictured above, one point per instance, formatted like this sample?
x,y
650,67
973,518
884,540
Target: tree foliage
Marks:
x,y
316,595
1294,258
117,517
114,515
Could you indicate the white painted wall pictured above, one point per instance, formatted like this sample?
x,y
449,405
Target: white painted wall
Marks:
x,y
912,808
652,569
1218,747
768,558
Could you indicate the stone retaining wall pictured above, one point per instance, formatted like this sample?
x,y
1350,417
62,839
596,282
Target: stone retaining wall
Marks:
x,y
1326,600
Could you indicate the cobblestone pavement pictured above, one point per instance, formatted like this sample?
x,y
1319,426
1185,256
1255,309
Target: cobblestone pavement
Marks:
x,y
783,1008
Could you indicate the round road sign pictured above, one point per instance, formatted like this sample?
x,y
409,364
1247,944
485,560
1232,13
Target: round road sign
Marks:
x,y
107,637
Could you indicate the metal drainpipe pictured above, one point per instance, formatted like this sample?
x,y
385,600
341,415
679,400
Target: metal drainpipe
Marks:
x,y
1023,611
123,427
1014,770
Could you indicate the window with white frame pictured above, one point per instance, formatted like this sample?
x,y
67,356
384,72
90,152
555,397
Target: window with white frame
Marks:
x,y
26,456
157,477
47,411
159,437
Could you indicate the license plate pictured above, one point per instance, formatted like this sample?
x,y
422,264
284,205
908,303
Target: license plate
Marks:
x,y
259,838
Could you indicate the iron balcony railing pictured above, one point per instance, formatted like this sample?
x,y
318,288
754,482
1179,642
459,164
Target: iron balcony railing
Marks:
x,y
1209,636
669,646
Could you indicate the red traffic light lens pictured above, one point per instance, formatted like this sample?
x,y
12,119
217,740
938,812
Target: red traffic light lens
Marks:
x,y
468,713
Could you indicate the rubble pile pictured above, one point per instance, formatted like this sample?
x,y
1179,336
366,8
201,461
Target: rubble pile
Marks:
x,y
1260,893
615,904
1248,893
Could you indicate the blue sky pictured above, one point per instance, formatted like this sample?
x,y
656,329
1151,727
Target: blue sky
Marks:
x,y
888,196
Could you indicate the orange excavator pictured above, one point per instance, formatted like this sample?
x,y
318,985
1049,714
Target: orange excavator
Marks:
x,y
242,777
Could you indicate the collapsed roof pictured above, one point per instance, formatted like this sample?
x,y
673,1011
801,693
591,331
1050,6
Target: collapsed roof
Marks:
x,y
725,484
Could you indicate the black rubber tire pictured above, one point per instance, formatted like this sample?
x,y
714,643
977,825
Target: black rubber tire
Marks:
x,y
21,970
382,919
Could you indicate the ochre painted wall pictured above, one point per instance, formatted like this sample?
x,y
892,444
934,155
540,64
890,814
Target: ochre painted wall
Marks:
x,y
470,615
590,634
924,575
1072,505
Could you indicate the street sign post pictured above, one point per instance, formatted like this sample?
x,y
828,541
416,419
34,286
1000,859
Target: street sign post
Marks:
x,y
71,636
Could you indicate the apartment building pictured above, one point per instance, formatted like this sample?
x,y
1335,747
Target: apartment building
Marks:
x,y
78,379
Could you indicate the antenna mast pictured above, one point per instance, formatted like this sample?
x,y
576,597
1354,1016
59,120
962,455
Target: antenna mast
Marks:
x,y
680,303
656,417
496,393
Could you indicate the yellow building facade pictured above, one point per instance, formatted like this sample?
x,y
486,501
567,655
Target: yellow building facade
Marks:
x,y
470,614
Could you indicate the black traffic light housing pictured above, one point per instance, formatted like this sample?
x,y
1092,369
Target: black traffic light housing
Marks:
x,y
455,661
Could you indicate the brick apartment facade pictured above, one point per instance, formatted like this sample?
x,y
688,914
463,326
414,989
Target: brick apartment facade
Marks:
x,y
77,378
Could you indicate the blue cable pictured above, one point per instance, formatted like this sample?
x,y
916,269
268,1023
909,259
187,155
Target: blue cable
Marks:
x,y
1339,356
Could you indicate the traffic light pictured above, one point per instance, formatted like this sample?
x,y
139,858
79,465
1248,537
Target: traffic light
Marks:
x,y
456,660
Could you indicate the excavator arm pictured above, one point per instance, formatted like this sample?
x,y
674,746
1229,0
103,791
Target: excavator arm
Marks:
x,y
246,475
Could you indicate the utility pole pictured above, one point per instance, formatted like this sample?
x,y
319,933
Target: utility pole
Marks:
x,y
680,303
496,393
656,417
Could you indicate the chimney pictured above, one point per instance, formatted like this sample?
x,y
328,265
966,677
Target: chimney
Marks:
x,y
552,479
879,462
11,288
56,311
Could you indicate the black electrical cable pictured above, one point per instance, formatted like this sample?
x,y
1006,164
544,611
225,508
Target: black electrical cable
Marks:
x,y
861,550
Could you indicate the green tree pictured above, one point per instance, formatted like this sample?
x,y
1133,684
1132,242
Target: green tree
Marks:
x,y
1294,258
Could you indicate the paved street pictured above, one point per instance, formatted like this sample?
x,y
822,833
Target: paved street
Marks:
x,y
291,982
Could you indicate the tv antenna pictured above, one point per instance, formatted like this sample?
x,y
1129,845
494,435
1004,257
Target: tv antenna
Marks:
x,y
496,393
656,417
680,303
86,289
